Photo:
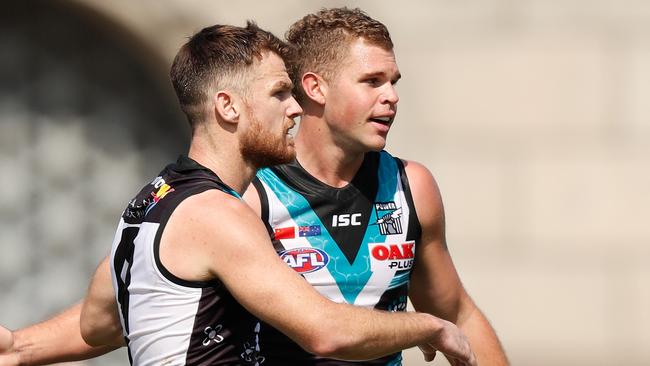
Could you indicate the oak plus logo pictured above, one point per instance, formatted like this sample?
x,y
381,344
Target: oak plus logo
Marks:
x,y
396,257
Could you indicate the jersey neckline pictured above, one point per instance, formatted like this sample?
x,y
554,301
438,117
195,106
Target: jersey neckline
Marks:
x,y
299,178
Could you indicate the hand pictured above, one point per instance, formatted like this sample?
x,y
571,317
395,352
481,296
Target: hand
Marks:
x,y
453,344
428,352
8,356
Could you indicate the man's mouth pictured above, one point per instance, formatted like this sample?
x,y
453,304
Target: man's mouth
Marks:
x,y
289,130
383,120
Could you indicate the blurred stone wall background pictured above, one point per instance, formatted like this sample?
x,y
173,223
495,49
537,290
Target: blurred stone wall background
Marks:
x,y
532,114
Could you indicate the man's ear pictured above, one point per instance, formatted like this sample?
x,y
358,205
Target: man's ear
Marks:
x,y
315,87
226,106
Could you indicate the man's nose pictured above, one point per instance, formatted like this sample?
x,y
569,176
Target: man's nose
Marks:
x,y
389,95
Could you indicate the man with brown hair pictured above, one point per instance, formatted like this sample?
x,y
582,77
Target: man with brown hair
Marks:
x,y
190,259
382,217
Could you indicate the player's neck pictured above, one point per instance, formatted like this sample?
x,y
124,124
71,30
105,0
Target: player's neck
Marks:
x,y
321,157
224,159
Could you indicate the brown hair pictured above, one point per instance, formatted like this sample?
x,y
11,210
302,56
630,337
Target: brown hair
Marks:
x,y
216,58
321,41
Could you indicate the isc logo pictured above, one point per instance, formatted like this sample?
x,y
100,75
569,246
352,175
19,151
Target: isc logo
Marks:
x,y
305,260
346,220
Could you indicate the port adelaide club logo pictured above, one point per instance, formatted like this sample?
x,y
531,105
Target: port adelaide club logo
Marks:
x,y
389,218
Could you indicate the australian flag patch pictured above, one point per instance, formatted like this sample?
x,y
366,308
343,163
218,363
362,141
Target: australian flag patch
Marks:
x,y
312,230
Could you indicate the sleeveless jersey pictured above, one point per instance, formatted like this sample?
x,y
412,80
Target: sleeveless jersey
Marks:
x,y
168,320
354,244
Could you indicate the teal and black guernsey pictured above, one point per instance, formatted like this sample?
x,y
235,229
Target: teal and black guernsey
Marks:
x,y
354,244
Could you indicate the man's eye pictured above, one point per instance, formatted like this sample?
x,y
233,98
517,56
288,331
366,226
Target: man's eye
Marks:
x,y
372,81
281,93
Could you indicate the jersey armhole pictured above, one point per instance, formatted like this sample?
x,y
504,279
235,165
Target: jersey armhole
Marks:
x,y
414,221
156,245
264,204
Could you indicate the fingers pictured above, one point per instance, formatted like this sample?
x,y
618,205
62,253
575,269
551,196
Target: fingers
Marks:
x,y
6,339
471,361
428,351
8,357
454,345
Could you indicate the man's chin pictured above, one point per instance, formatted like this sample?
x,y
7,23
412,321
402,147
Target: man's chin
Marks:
x,y
376,146
288,156
263,160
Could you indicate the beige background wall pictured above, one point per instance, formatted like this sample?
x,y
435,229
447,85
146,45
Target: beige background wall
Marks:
x,y
533,116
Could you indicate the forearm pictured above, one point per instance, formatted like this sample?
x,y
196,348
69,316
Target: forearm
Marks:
x,y
482,337
373,334
55,340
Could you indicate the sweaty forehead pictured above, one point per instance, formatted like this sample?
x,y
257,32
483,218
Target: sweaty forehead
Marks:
x,y
364,57
274,80
270,67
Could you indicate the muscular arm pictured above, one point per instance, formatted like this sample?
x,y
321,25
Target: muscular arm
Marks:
x,y
55,340
234,246
100,321
59,339
435,286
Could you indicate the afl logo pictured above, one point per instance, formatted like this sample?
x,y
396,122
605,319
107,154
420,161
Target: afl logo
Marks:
x,y
305,260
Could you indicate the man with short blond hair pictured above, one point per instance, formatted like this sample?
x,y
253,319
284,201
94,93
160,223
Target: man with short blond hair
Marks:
x,y
381,218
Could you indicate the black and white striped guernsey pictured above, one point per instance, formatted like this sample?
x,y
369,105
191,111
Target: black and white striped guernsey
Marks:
x,y
167,320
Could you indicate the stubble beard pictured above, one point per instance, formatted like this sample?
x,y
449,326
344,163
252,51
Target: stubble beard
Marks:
x,y
263,149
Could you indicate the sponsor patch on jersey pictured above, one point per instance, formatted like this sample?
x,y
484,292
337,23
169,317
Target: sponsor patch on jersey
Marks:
x,y
305,260
397,257
162,192
389,218
161,189
312,230
136,209
288,232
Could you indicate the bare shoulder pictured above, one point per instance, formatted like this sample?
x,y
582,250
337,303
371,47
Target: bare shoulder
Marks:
x,y
205,230
426,194
211,205
216,215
